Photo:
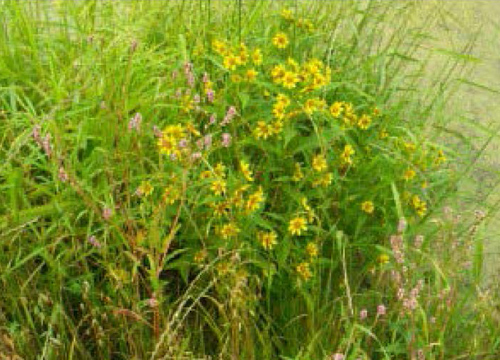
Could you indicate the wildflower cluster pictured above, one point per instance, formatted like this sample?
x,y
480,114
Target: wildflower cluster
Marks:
x,y
288,106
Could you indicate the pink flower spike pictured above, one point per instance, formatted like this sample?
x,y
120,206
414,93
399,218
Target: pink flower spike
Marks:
x,y
363,314
226,139
381,310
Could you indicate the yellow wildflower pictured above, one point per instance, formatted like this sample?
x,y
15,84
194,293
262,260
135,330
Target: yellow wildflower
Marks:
x,y
276,127
313,66
324,180
304,271
297,175
192,130
383,134
243,55
310,106
293,64
145,189
220,170
419,205
257,57
220,208
220,47
312,249
167,145
409,174
251,74
170,195
267,239
230,62
254,200
218,187
277,73
308,209
282,100
223,268
262,130
364,122
280,40
245,170
297,225
409,146
175,131
383,259
200,256
441,158
229,230
336,109
289,79
236,78
368,207
287,14
279,111
347,153
309,25
237,198
319,162
207,174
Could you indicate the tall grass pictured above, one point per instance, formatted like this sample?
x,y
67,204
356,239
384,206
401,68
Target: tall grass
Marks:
x,y
93,267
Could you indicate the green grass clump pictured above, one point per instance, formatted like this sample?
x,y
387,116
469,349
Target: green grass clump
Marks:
x,y
234,179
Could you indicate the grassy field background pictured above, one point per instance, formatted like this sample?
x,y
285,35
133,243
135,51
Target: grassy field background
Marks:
x,y
471,29
479,20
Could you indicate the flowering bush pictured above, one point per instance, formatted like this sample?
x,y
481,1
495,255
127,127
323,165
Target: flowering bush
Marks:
x,y
221,195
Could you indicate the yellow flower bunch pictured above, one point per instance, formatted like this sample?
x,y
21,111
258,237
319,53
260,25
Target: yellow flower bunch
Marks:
x,y
231,61
304,270
287,14
409,174
305,24
171,194
312,249
312,105
308,209
419,205
257,57
145,189
345,157
237,199
324,180
441,158
220,47
297,174
319,163
220,170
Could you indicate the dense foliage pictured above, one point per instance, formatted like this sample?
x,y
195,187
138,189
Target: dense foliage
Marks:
x,y
241,180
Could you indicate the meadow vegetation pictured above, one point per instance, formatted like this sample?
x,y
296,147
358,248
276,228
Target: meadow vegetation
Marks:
x,y
234,180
